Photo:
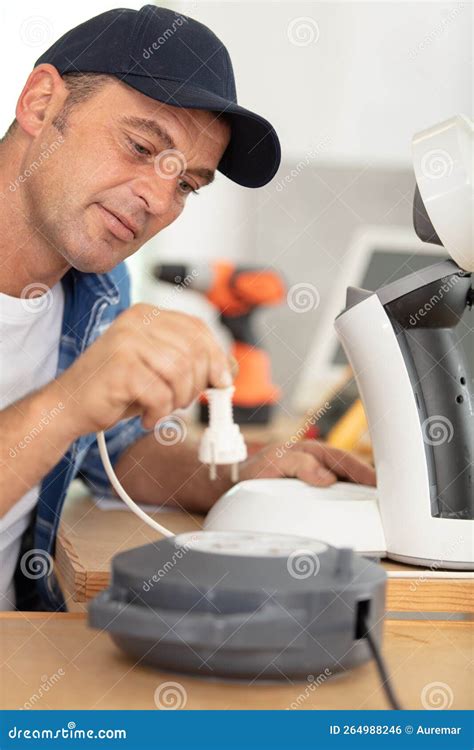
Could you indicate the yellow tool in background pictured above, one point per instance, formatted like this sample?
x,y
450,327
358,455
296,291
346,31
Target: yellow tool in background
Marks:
x,y
339,419
350,432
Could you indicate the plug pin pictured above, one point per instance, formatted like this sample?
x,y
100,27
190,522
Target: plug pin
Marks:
x,y
222,442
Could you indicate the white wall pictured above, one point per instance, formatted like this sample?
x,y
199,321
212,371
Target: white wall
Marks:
x,y
359,81
28,28
366,74
349,82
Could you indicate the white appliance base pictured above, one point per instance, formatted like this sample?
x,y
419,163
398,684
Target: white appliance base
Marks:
x,y
433,564
343,515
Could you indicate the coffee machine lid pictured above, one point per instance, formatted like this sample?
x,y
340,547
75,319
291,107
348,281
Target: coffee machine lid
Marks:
x,y
443,205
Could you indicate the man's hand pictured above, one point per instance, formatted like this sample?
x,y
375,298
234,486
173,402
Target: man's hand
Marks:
x,y
172,474
149,362
313,462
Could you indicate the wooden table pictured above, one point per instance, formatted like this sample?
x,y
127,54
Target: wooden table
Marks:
x,y
54,661
89,537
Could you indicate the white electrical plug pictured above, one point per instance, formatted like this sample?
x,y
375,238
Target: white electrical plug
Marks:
x,y
222,442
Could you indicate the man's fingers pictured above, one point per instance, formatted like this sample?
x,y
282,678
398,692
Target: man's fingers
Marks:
x,y
219,375
306,467
186,355
176,369
151,394
343,464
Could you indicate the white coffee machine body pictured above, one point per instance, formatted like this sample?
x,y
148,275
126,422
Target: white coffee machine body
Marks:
x,y
419,417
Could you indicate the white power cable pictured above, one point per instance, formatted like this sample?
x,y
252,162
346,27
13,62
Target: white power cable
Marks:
x,y
222,443
121,492
166,532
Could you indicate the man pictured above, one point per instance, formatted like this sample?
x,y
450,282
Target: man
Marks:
x,y
119,122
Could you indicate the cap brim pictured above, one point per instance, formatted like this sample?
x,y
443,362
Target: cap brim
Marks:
x,y
253,155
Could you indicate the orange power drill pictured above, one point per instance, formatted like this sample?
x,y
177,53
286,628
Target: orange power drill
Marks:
x,y
237,292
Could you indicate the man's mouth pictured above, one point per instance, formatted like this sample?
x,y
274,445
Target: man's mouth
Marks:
x,y
120,226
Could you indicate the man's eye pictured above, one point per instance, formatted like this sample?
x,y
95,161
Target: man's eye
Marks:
x,y
139,149
186,188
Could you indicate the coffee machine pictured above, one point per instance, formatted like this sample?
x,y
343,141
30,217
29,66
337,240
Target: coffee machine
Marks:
x,y
407,345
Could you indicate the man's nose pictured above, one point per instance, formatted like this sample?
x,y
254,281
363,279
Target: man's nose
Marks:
x,y
158,193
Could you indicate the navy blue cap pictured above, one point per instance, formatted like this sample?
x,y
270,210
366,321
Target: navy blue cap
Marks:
x,y
176,60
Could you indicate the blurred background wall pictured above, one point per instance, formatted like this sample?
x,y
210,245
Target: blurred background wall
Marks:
x,y
346,84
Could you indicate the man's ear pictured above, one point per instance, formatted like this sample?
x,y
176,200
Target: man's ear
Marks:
x,y
43,94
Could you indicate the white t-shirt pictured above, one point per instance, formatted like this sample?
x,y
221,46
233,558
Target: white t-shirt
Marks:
x,y
30,330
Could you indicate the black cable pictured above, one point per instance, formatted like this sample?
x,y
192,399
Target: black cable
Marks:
x,y
382,670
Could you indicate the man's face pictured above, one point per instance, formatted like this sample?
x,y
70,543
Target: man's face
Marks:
x,y
124,170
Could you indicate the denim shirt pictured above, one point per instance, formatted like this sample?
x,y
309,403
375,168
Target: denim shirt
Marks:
x,y
91,303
